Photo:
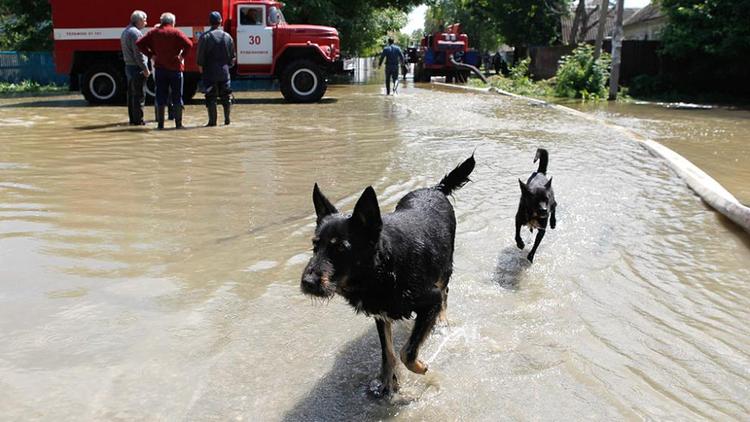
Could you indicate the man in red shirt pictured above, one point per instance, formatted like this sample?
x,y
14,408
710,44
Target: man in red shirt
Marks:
x,y
166,45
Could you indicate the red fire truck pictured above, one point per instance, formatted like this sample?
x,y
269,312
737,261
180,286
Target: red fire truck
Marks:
x,y
87,44
444,53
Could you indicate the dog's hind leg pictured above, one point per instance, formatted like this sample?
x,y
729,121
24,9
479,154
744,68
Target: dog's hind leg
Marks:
x,y
388,378
539,236
519,223
553,217
422,327
443,316
442,285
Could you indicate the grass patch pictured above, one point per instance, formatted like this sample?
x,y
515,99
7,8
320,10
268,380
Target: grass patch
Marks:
x,y
29,88
543,90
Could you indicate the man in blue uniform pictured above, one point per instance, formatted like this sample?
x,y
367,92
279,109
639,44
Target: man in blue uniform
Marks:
x,y
394,58
215,57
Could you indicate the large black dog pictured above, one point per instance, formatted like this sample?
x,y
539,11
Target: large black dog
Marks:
x,y
537,203
391,266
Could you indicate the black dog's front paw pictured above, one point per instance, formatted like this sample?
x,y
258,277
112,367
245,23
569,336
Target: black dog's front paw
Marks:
x,y
520,244
381,389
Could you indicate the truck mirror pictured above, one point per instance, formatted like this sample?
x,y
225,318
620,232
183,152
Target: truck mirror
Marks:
x,y
273,15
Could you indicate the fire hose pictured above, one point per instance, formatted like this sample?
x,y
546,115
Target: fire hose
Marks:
x,y
465,66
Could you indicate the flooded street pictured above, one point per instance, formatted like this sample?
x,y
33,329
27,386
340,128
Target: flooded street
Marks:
x,y
152,275
716,140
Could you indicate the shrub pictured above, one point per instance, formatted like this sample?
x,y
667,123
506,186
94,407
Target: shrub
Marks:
x,y
28,87
648,86
580,76
518,82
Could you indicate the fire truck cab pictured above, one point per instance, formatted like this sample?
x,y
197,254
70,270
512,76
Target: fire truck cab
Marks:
x,y
87,45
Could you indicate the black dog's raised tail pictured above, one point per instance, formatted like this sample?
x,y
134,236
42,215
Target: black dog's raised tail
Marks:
x,y
543,157
458,177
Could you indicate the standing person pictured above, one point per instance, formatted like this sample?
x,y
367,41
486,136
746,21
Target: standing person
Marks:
x,y
167,44
394,58
215,57
170,106
136,69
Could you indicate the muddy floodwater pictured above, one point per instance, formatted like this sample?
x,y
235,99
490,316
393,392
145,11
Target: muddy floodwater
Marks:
x,y
716,140
152,275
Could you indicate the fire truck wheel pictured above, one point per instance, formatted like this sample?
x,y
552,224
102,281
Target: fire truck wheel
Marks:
x,y
103,84
421,74
303,82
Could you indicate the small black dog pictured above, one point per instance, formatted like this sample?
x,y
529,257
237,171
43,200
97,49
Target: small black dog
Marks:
x,y
391,266
537,198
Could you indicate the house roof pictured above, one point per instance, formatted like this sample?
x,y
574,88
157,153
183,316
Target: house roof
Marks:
x,y
646,13
566,23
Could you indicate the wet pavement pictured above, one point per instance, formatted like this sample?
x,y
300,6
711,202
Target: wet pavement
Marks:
x,y
155,275
716,140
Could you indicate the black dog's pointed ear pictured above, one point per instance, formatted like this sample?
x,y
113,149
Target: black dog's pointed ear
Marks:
x,y
366,213
323,206
549,183
524,188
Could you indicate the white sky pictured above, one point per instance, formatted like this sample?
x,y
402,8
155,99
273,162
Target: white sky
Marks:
x,y
416,17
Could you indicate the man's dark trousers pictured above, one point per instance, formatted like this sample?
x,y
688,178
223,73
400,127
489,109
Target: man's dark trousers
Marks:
x,y
391,74
168,84
136,98
168,91
221,90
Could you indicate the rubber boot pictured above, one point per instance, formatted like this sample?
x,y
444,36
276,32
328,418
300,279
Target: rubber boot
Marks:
x,y
160,117
178,117
227,110
212,113
170,111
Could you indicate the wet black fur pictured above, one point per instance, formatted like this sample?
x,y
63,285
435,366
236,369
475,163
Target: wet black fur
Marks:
x,y
537,204
390,266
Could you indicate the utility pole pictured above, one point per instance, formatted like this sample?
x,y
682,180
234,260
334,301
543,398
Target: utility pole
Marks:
x,y
614,77
604,8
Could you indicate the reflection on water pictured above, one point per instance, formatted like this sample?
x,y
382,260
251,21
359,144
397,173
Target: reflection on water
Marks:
x,y
154,275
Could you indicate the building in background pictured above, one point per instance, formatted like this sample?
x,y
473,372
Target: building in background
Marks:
x,y
646,24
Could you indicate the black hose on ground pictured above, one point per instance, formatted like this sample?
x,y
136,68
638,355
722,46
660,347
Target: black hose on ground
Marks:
x,y
465,66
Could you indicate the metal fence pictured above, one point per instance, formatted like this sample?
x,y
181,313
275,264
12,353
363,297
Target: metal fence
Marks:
x,y
37,66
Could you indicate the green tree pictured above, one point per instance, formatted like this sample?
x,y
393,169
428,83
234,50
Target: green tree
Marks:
x,y
711,38
25,25
717,28
416,36
361,23
519,23
471,14
383,24
528,22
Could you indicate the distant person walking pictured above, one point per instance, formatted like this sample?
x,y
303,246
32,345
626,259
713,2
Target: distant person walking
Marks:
x,y
167,44
215,57
136,68
394,58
